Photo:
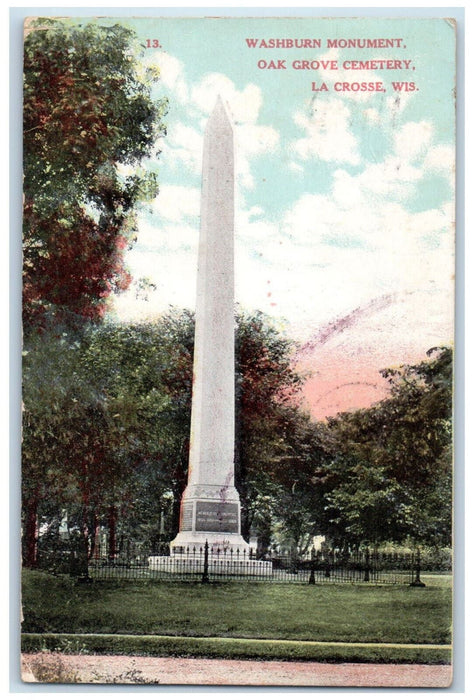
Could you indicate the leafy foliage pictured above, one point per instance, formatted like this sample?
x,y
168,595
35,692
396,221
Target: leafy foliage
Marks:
x,y
268,393
89,120
107,416
113,409
391,472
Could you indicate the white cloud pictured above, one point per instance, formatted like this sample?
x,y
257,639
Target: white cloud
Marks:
x,y
373,115
328,129
442,160
329,253
255,211
296,167
397,176
183,146
389,111
176,202
167,257
392,177
175,282
396,104
252,140
411,141
126,169
244,104
414,156
334,252
171,72
159,240
327,133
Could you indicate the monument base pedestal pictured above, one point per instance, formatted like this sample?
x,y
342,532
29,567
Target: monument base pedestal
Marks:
x,y
216,566
226,554
220,544
209,540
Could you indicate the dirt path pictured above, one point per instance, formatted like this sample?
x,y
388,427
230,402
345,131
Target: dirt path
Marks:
x,y
51,667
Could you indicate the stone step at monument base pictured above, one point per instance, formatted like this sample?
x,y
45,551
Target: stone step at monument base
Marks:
x,y
218,565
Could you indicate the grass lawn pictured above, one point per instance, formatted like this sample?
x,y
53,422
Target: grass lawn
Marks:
x,y
349,613
239,619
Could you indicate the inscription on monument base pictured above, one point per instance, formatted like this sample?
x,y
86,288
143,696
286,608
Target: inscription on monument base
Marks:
x,y
187,516
217,517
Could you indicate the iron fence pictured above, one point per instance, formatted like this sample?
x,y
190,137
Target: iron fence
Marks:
x,y
135,561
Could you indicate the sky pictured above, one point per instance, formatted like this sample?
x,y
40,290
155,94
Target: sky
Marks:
x,y
344,229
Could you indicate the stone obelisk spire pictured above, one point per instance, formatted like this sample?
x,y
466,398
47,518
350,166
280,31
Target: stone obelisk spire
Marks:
x,y
210,507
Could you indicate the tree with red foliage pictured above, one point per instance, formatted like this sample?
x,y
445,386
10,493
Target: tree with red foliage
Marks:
x,y
89,121
268,399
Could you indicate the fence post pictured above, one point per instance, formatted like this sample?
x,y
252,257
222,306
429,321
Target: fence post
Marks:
x,y
205,572
311,576
79,563
367,566
418,583
327,570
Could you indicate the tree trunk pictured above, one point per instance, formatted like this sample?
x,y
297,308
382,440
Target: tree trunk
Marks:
x,y
95,543
175,512
179,484
30,536
244,519
112,523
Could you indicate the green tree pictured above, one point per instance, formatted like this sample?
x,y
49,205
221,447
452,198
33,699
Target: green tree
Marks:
x,y
390,476
116,414
268,393
108,416
89,121
298,477
48,372
147,372
69,439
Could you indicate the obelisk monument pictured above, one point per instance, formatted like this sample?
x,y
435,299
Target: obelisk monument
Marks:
x,y
210,506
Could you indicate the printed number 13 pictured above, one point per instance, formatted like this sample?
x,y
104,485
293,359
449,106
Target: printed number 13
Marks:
x,y
153,44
